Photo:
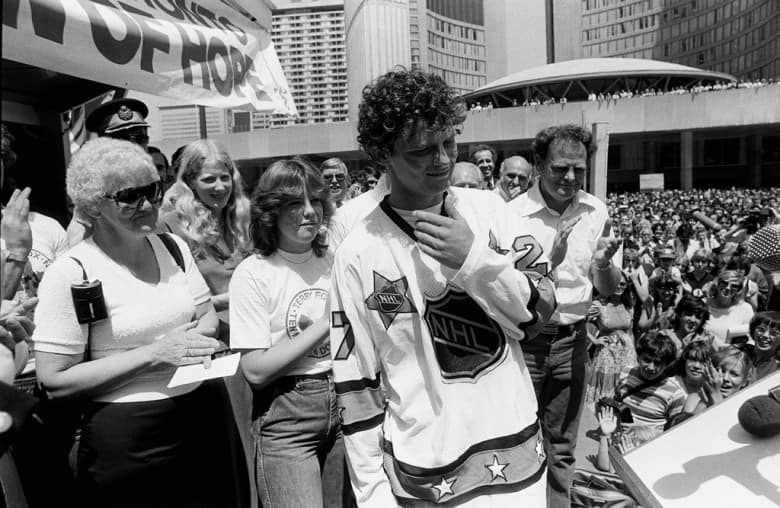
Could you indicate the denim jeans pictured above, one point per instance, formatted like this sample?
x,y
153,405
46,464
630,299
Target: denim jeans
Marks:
x,y
299,448
558,365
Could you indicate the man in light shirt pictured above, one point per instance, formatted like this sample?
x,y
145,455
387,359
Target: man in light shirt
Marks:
x,y
559,219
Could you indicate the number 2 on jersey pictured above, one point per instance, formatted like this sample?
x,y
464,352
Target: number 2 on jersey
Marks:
x,y
528,253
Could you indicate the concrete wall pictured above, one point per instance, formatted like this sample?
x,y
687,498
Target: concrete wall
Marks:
x,y
739,107
665,113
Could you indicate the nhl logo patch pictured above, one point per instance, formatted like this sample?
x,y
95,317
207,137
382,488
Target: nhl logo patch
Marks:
x,y
389,301
466,340
125,113
390,298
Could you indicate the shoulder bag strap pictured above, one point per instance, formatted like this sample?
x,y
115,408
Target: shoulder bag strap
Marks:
x,y
173,249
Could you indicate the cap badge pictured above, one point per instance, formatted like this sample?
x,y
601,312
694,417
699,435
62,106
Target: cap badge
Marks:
x,y
125,113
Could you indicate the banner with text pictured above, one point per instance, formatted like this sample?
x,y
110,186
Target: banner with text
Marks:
x,y
204,52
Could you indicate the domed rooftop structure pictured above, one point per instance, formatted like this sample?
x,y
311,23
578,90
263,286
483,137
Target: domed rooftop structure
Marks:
x,y
576,79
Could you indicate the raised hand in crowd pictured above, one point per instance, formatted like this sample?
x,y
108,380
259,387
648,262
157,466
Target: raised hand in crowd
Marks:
x,y
447,239
608,424
710,391
607,247
626,443
17,235
16,329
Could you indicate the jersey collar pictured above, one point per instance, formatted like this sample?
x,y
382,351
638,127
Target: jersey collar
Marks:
x,y
399,221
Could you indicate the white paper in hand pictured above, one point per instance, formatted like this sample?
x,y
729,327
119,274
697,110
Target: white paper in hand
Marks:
x,y
221,367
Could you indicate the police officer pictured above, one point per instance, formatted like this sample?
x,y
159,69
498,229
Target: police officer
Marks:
x,y
121,119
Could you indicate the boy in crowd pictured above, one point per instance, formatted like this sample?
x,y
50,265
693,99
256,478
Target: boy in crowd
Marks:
x,y
651,392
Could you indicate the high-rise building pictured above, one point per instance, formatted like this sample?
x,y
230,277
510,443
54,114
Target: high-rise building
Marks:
x,y
448,39
739,37
445,37
308,37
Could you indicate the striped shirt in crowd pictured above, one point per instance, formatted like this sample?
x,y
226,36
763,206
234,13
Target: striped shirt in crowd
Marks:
x,y
654,405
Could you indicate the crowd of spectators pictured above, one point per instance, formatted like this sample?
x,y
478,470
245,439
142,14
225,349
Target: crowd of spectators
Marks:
x,y
695,318
704,319
621,93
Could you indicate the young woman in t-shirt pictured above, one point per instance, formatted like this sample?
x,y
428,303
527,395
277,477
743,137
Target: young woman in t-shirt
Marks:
x,y
207,207
279,318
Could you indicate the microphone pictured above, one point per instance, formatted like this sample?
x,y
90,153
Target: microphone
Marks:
x,y
760,415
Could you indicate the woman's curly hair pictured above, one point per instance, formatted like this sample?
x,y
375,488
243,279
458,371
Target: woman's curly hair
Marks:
x,y
397,99
194,219
285,181
103,166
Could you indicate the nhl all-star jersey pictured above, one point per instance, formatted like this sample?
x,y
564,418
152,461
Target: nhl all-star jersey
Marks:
x,y
436,401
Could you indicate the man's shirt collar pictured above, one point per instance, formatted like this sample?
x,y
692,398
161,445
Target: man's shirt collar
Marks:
x,y
537,202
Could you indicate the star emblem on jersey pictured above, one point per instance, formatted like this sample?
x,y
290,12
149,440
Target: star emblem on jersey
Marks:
x,y
496,468
493,244
444,488
390,298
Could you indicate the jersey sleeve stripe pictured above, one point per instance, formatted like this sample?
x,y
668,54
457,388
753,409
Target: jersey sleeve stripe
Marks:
x,y
361,425
357,385
361,405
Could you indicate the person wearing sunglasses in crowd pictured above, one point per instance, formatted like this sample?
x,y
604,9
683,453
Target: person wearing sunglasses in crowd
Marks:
x,y
141,441
336,177
279,320
124,119
207,207
730,314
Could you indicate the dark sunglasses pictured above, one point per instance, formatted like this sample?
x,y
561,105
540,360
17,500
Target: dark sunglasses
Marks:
x,y
331,176
135,196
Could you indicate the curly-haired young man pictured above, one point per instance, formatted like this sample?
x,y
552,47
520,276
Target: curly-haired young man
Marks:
x,y
428,313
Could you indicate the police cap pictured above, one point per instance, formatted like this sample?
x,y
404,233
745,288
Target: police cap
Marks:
x,y
117,115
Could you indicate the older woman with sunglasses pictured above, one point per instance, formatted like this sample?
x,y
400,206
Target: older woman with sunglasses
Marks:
x,y
140,439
